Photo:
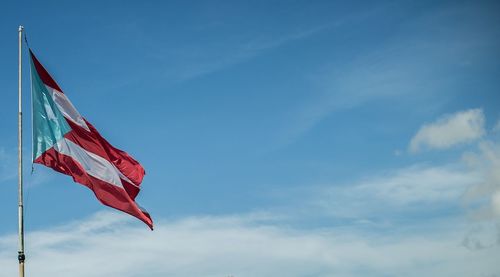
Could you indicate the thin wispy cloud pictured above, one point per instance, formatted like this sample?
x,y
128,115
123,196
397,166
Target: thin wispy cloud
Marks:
x,y
224,54
39,175
7,165
496,128
389,73
408,68
418,188
450,130
8,169
483,198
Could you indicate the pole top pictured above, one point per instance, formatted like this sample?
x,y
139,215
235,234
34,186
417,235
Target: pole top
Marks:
x,y
21,28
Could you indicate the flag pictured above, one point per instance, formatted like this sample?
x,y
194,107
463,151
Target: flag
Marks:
x,y
66,142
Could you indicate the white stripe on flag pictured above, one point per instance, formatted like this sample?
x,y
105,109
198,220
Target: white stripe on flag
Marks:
x,y
93,164
67,108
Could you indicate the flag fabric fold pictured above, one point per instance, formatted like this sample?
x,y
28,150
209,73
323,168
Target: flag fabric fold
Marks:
x,y
66,142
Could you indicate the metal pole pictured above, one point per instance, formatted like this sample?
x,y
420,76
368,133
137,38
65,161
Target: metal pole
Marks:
x,y
20,255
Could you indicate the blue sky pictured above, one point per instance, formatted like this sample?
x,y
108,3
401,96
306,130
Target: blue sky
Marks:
x,y
324,137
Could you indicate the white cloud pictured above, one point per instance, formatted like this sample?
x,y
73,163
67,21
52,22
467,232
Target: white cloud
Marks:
x,y
461,127
108,244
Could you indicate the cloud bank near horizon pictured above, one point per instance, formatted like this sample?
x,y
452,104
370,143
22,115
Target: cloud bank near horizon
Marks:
x,y
107,244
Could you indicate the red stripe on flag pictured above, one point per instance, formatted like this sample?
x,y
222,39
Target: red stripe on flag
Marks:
x,y
90,143
93,142
108,194
44,75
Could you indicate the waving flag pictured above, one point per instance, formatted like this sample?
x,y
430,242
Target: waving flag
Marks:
x,y
66,142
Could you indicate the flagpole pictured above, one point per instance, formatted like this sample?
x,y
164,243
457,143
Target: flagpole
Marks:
x,y
20,256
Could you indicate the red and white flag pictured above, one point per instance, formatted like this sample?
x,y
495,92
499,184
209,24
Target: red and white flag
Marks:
x,y
66,142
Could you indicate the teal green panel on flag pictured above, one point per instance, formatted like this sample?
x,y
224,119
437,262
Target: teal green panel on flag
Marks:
x,y
49,125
